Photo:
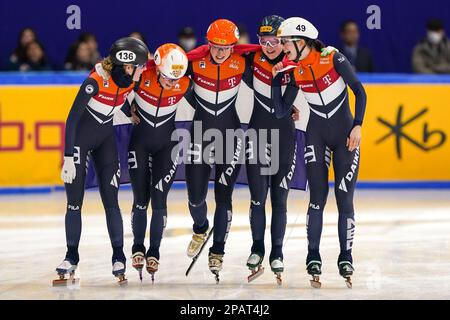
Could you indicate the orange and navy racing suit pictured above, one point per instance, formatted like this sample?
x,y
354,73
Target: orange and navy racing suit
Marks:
x,y
150,155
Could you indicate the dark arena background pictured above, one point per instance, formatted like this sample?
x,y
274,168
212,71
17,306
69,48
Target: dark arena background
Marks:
x,y
401,245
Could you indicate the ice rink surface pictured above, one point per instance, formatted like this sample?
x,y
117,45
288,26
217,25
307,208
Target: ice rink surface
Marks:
x,y
401,250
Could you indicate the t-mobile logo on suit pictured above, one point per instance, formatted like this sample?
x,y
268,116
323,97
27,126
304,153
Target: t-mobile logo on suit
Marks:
x,y
232,82
327,79
172,100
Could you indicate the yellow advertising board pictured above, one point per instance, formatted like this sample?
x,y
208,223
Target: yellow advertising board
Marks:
x,y
405,133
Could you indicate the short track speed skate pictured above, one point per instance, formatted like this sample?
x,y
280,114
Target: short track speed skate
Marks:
x,y
277,267
152,266
314,268
138,262
215,262
254,263
118,270
199,251
346,271
66,274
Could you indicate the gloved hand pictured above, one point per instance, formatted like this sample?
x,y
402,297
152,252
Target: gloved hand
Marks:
x,y
68,171
327,51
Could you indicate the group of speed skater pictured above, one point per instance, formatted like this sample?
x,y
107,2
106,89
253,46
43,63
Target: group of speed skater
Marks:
x,y
289,58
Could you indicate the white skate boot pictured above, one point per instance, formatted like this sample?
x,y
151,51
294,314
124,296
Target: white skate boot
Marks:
x,y
277,267
118,270
66,268
254,263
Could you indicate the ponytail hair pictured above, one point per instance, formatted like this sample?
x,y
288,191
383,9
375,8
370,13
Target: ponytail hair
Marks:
x,y
314,43
317,44
107,64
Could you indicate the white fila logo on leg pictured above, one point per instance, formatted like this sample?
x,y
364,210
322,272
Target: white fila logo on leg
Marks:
x,y
350,232
132,161
314,206
310,154
350,174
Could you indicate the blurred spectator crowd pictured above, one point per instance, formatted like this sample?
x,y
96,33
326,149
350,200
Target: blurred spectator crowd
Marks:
x,y
430,55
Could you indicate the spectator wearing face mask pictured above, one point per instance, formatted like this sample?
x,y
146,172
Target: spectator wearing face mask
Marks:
x,y
432,54
187,39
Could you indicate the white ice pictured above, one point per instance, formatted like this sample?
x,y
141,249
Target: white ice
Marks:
x,y
401,250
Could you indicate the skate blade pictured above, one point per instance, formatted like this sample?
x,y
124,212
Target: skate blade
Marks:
x,y
216,275
279,280
65,282
255,275
315,283
348,282
122,281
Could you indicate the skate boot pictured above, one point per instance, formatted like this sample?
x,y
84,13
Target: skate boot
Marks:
x,y
138,262
196,244
66,268
254,263
346,271
118,270
314,268
277,267
152,266
215,262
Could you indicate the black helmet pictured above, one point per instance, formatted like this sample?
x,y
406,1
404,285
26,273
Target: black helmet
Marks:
x,y
129,51
269,25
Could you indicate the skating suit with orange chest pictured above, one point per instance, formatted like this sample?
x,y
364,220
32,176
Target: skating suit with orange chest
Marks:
x,y
262,83
156,105
323,87
109,99
216,88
